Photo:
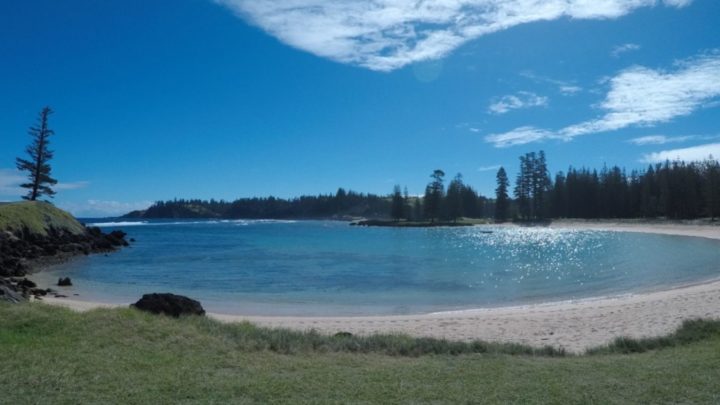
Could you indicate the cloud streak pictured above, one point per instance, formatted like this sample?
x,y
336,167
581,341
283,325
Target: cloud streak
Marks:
x,y
517,101
10,180
489,168
385,35
692,154
639,97
103,208
624,48
658,140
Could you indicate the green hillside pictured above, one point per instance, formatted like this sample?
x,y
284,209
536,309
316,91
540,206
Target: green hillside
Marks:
x,y
38,217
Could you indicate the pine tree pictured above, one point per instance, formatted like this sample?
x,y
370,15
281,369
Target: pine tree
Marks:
x,y
712,187
397,209
502,201
406,204
454,198
38,167
434,193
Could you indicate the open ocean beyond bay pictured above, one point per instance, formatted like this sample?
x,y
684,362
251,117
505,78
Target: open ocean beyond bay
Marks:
x,y
330,268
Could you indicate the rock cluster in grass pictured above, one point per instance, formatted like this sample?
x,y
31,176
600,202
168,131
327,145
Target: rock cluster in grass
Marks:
x,y
22,250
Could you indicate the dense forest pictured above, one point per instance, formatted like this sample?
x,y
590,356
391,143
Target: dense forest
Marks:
x,y
343,204
675,190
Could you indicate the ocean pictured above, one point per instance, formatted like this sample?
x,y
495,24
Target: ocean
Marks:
x,y
268,267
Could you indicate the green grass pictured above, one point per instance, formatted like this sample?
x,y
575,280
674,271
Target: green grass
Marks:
x,y
50,354
691,331
38,217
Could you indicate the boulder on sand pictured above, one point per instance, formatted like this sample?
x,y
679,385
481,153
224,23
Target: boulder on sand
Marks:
x,y
169,304
64,282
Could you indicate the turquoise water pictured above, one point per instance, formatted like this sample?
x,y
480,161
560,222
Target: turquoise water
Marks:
x,y
323,267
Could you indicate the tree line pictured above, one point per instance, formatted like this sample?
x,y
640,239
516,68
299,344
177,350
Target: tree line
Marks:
x,y
459,200
675,190
343,204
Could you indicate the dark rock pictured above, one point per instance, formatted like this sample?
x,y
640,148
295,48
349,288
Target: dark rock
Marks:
x,y
64,282
7,294
169,304
38,292
343,335
26,283
22,250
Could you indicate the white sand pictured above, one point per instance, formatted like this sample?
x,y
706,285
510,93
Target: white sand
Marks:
x,y
573,325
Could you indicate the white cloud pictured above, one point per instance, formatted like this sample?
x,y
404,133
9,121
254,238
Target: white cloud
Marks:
x,y
644,97
566,88
489,168
388,34
517,101
519,136
569,90
658,139
100,208
10,180
693,154
624,48
71,185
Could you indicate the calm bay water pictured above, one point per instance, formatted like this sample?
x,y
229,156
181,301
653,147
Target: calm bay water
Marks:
x,y
323,267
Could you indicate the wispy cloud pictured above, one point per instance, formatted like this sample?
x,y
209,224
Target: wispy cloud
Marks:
x,y
102,208
489,168
569,90
470,126
659,139
71,186
566,88
624,48
695,153
640,96
517,101
520,136
10,180
385,35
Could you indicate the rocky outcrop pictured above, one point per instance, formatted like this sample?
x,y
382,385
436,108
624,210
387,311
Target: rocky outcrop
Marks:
x,y
16,290
169,304
64,282
34,234
21,251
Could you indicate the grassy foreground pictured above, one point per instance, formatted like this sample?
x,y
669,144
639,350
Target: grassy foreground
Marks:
x,y
50,354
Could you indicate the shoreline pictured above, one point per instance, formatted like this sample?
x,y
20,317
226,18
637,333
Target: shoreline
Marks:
x,y
573,325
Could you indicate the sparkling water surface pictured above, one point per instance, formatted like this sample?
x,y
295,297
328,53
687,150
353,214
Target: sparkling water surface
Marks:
x,y
331,268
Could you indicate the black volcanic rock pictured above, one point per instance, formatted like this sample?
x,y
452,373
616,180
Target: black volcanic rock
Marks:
x,y
169,304
8,294
64,282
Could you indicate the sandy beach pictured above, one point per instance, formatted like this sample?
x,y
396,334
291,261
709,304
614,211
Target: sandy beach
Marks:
x,y
573,325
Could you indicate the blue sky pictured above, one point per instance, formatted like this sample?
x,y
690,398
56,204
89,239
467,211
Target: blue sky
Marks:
x,y
233,98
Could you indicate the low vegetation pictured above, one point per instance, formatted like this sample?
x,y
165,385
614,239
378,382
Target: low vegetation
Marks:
x,y
38,218
126,356
691,331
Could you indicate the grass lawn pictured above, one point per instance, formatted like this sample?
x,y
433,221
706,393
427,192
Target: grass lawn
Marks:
x,y
53,355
